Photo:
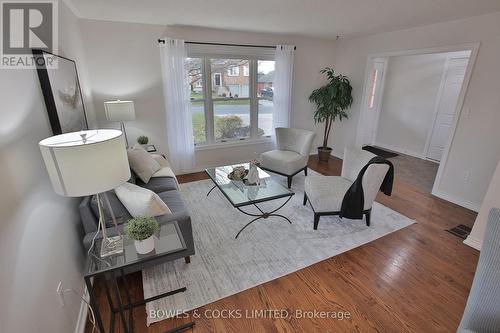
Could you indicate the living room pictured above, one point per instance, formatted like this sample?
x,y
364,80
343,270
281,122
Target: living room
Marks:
x,y
249,236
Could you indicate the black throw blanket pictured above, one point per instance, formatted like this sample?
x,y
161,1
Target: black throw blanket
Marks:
x,y
354,199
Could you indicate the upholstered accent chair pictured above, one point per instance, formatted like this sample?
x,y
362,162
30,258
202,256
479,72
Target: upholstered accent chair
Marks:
x,y
292,153
481,313
326,193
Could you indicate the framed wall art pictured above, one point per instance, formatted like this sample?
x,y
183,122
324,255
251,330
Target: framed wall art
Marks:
x,y
61,91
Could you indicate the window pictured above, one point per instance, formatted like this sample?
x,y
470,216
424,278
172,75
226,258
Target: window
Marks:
x,y
217,79
194,68
233,71
371,101
265,93
232,107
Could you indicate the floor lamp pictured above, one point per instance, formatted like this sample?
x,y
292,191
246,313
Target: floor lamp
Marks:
x,y
120,111
87,163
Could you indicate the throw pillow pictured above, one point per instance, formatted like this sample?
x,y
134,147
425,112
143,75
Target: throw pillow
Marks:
x,y
121,213
140,201
161,160
143,164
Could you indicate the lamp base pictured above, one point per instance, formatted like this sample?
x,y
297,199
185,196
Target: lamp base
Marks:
x,y
111,245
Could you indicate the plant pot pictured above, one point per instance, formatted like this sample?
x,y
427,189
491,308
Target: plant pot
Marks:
x,y
145,246
324,153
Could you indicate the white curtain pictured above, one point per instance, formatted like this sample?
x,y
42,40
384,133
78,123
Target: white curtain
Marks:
x,y
178,115
283,85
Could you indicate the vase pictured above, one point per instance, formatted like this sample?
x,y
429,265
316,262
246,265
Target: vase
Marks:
x,y
253,175
145,246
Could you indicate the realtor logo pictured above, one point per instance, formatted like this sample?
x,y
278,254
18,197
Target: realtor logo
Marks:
x,y
26,26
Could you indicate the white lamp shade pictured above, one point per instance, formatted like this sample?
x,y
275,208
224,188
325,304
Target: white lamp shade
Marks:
x,y
119,110
78,167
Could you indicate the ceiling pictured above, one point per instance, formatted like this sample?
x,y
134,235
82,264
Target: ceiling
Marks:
x,y
318,18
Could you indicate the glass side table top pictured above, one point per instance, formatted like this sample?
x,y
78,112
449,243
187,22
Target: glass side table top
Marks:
x,y
240,194
168,240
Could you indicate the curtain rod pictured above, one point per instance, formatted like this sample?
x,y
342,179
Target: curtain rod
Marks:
x,y
225,44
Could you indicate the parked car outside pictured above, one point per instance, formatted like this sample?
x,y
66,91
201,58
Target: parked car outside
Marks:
x,y
267,93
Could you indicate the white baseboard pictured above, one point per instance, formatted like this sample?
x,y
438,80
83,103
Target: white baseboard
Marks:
x,y
473,242
474,206
200,168
400,150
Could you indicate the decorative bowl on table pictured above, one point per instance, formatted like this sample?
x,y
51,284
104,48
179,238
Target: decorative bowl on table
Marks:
x,y
238,173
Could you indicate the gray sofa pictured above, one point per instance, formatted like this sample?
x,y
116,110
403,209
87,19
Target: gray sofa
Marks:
x,y
167,189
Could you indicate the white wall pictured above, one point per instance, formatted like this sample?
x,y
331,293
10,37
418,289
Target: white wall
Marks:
x,y
40,237
491,200
408,104
124,62
476,144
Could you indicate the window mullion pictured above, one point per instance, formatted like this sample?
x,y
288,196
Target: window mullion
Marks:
x,y
254,125
209,111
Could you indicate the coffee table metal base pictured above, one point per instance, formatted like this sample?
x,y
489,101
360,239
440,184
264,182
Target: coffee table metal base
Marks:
x,y
262,215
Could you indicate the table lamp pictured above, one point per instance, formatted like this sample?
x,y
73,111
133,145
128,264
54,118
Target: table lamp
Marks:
x,y
87,163
120,111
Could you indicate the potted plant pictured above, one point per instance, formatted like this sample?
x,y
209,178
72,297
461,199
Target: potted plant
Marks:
x,y
141,230
332,101
143,140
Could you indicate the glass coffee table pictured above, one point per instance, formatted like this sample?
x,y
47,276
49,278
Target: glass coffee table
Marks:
x,y
168,240
239,194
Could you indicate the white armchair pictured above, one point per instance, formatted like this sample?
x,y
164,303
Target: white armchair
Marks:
x,y
326,193
292,154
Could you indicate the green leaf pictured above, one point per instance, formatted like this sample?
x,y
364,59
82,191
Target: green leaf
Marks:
x,y
333,99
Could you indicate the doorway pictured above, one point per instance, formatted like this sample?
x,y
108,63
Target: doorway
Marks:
x,y
411,104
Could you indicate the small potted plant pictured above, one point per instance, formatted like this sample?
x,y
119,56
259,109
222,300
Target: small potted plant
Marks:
x,y
141,230
143,140
332,101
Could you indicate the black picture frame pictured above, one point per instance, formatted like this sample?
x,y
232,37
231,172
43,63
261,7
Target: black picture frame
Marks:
x,y
61,105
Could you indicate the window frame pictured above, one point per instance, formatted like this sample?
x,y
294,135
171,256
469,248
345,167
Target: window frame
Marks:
x,y
210,140
237,72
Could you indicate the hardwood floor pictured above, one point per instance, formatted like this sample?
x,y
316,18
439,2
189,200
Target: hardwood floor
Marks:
x,y
413,280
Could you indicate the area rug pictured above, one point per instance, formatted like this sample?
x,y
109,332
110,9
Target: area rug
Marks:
x,y
266,250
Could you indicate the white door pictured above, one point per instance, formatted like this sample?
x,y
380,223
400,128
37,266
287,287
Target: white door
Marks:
x,y
234,89
453,80
374,100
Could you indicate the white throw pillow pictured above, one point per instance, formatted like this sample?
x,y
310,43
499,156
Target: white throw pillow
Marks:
x,y
161,160
143,164
140,201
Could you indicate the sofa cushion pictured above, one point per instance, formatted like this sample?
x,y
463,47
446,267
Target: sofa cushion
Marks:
x,y
140,201
283,161
159,184
326,193
143,164
121,213
176,204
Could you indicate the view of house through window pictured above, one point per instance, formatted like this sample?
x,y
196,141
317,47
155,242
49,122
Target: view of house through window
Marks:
x,y
194,68
265,94
231,99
